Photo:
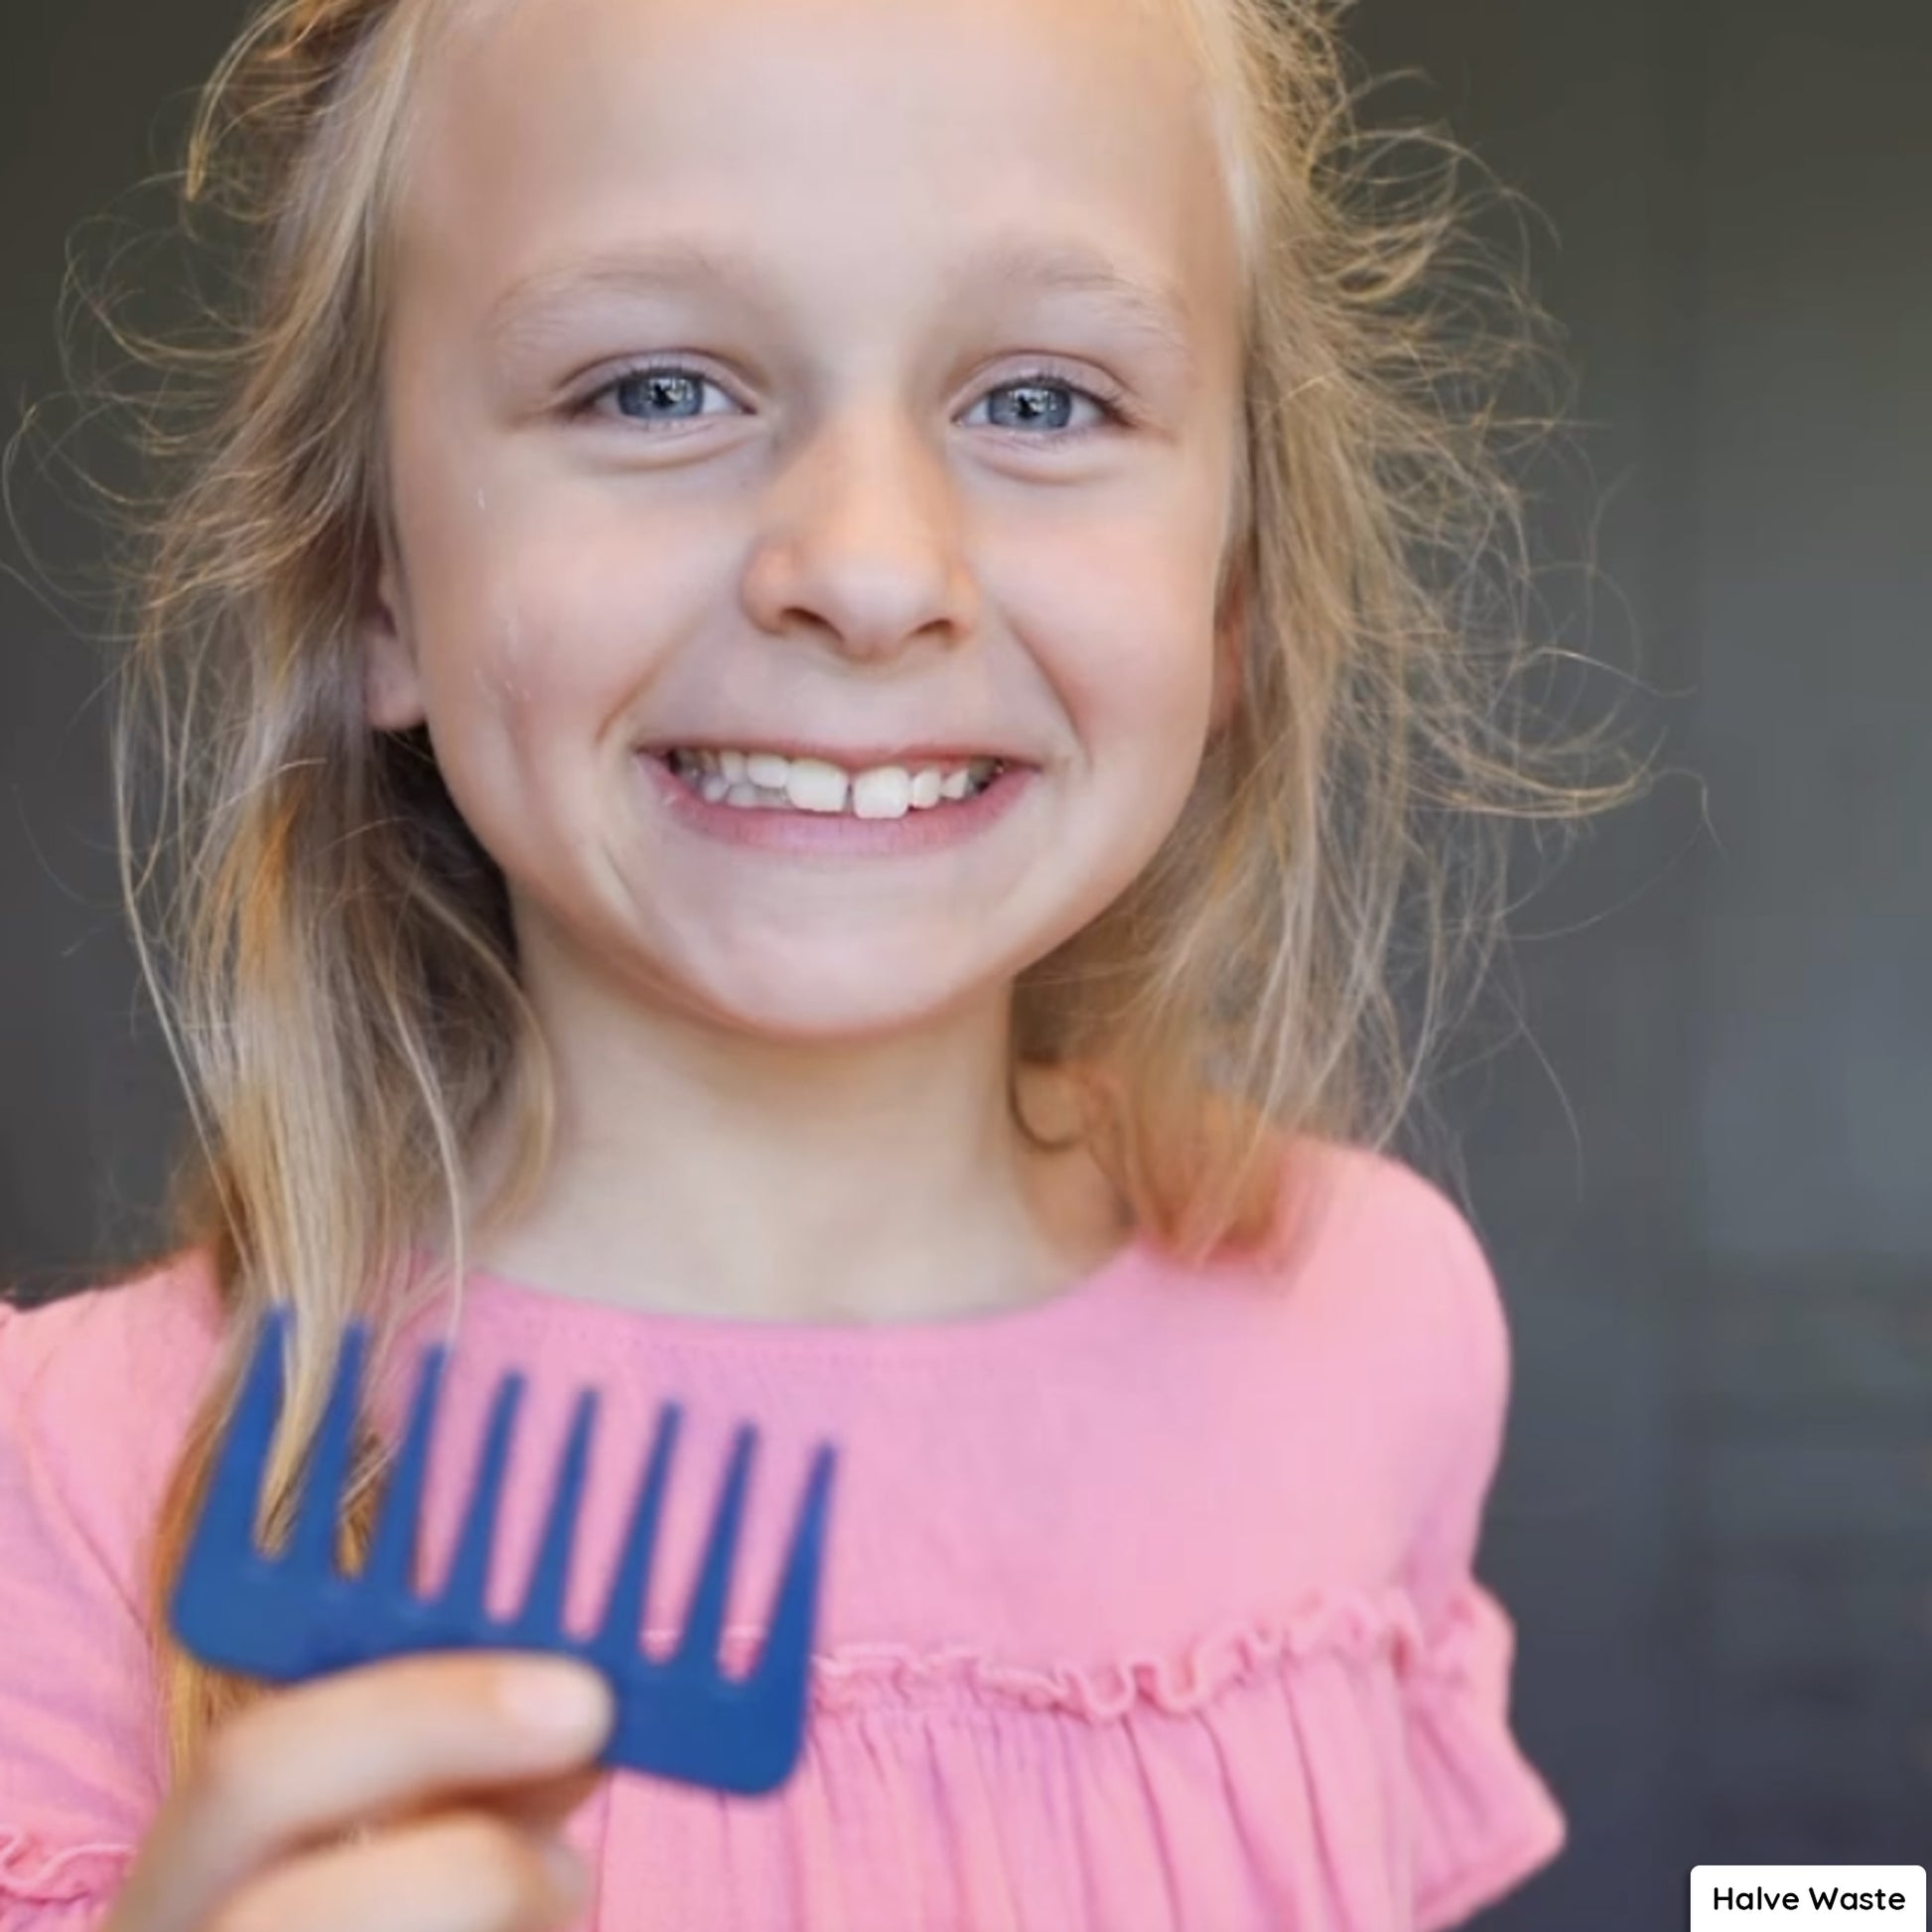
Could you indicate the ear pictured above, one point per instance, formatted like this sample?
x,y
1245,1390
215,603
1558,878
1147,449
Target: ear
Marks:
x,y
1230,646
392,697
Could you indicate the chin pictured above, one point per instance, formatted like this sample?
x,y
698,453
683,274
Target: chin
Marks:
x,y
826,1015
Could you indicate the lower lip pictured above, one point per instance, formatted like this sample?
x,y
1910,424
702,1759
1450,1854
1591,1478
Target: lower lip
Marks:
x,y
779,829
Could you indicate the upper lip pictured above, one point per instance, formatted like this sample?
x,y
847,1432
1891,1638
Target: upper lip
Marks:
x,y
849,758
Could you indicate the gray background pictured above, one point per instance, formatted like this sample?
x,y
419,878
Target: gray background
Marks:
x,y
1699,1171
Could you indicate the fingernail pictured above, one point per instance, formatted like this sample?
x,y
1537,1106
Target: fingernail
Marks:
x,y
558,1700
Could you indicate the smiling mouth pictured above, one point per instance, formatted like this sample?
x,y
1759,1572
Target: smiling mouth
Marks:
x,y
768,782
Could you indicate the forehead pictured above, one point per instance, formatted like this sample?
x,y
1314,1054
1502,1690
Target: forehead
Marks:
x,y
857,141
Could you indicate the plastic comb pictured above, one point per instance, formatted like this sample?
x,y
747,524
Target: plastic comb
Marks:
x,y
294,1614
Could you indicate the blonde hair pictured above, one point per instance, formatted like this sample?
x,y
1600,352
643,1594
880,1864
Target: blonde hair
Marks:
x,y
331,949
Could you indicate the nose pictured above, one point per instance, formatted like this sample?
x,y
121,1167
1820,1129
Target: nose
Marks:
x,y
861,546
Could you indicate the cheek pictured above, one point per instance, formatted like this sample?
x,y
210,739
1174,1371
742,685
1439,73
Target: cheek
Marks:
x,y
527,631
1136,665
518,582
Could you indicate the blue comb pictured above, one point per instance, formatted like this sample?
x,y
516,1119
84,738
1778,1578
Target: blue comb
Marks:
x,y
295,1615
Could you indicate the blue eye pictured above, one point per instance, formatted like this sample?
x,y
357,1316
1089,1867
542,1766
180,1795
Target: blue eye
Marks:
x,y
1043,382
637,392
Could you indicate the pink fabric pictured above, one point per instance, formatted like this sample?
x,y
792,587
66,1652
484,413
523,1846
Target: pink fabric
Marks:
x,y
1149,1606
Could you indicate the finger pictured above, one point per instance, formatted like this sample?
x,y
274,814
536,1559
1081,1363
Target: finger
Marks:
x,y
341,1751
544,1805
547,1806
460,1871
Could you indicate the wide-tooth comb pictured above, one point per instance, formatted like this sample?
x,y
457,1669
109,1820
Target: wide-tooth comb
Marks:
x,y
295,1614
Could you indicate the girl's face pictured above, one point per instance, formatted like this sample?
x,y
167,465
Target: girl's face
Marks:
x,y
870,501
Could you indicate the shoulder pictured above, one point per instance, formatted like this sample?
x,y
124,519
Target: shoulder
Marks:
x,y
1396,1245
153,1331
171,1298
1442,1345
1400,1300
96,1390
1361,1197
1369,1268
1369,1305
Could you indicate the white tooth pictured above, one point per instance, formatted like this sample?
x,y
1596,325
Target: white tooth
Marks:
x,y
811,784
714,785
954,784
885,793
732,763
925,788
766,769
740,793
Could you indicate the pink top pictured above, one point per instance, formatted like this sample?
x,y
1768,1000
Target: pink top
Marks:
x,y
1147,1606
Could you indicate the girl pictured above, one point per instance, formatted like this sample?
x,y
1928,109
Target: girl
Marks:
x,y
800,725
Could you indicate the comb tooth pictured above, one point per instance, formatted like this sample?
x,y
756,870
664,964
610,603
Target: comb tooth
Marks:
x,y
386,1573
463,1595
705,1621
616,1641
311,1547
228,1517
541,1618
788,1639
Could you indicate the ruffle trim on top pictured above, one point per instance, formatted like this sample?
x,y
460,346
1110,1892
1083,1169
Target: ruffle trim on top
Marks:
x,y
1365,1778
1424,1808
35,1872
1352,1625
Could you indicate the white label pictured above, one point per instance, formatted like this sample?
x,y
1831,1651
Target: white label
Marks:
x,y
1808,1898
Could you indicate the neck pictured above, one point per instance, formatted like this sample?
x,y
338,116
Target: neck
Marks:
x,y
699,1171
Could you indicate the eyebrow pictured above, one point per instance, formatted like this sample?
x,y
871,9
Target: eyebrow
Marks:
x,y
1154,310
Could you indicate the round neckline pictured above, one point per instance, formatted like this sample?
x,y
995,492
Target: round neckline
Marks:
x,y
530,1304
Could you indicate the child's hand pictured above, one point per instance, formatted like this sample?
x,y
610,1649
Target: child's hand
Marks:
x,y
465,1792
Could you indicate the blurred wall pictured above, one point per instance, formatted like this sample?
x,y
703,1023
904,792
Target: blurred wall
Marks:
x,y
1704,1183
93,98
1698,1173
